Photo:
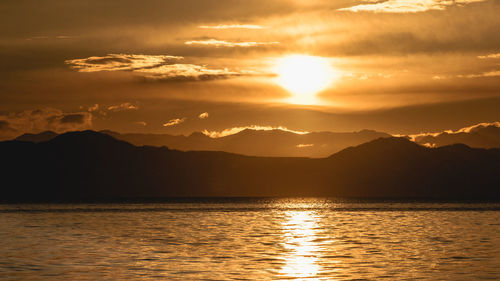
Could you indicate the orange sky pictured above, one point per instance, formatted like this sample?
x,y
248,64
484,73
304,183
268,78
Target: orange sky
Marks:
x,y
400,66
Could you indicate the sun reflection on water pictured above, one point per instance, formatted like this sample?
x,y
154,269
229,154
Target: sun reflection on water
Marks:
x,y
300,232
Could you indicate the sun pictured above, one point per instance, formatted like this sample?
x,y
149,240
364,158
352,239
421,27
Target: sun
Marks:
x,y
304,76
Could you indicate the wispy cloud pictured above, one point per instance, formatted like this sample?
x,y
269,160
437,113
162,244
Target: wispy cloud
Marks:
x,y
474,127
494,73
303,145
235,130
469,129
232,26
490,56
173,122
439,77
114,62
203,115
187,72
223,43
156,67
93,108
141,123
484,135
123,106
366,76
406,6
50,37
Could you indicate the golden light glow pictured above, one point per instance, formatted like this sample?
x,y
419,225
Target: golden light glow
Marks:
x,y
304,76
300,234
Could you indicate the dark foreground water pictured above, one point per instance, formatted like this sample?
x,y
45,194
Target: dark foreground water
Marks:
x,y
272,239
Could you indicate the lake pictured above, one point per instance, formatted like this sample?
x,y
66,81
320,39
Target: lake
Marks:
x,y
251,239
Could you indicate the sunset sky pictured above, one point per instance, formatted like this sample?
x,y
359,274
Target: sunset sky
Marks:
x,y
398,66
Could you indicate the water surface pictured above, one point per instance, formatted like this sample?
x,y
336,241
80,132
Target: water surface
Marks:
x,y
265,239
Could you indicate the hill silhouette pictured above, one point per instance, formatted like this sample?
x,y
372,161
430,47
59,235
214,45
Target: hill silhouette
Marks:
x,y
247,142
258,142
43,136
279,143
90,165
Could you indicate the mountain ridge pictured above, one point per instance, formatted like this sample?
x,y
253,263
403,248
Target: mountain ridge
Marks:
x,y
90,165
248,142
276,142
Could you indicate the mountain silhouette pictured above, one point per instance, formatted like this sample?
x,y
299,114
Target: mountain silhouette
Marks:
x,y
247,142
43,136
89,165
279,143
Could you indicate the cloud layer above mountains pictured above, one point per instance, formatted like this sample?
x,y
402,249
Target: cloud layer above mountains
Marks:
x,y
173,59
45,119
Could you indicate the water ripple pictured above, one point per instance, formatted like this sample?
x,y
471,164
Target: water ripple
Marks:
x,y
266,240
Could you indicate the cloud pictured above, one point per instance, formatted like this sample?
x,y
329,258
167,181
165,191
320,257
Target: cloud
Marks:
x,y
141,123
235,130
406,6
203,115
439,77
173,122
122,107
75,118
303,145
6,131
494,73
51,37
366,76
4,125
181,72
429,145
490,56
93,108
44,119
483,135
157,67
473,128
223,43
232,26
114,62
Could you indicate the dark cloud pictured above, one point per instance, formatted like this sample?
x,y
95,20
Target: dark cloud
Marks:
x,y
61,17
44,119
109,60
7,132
4,124
78,118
